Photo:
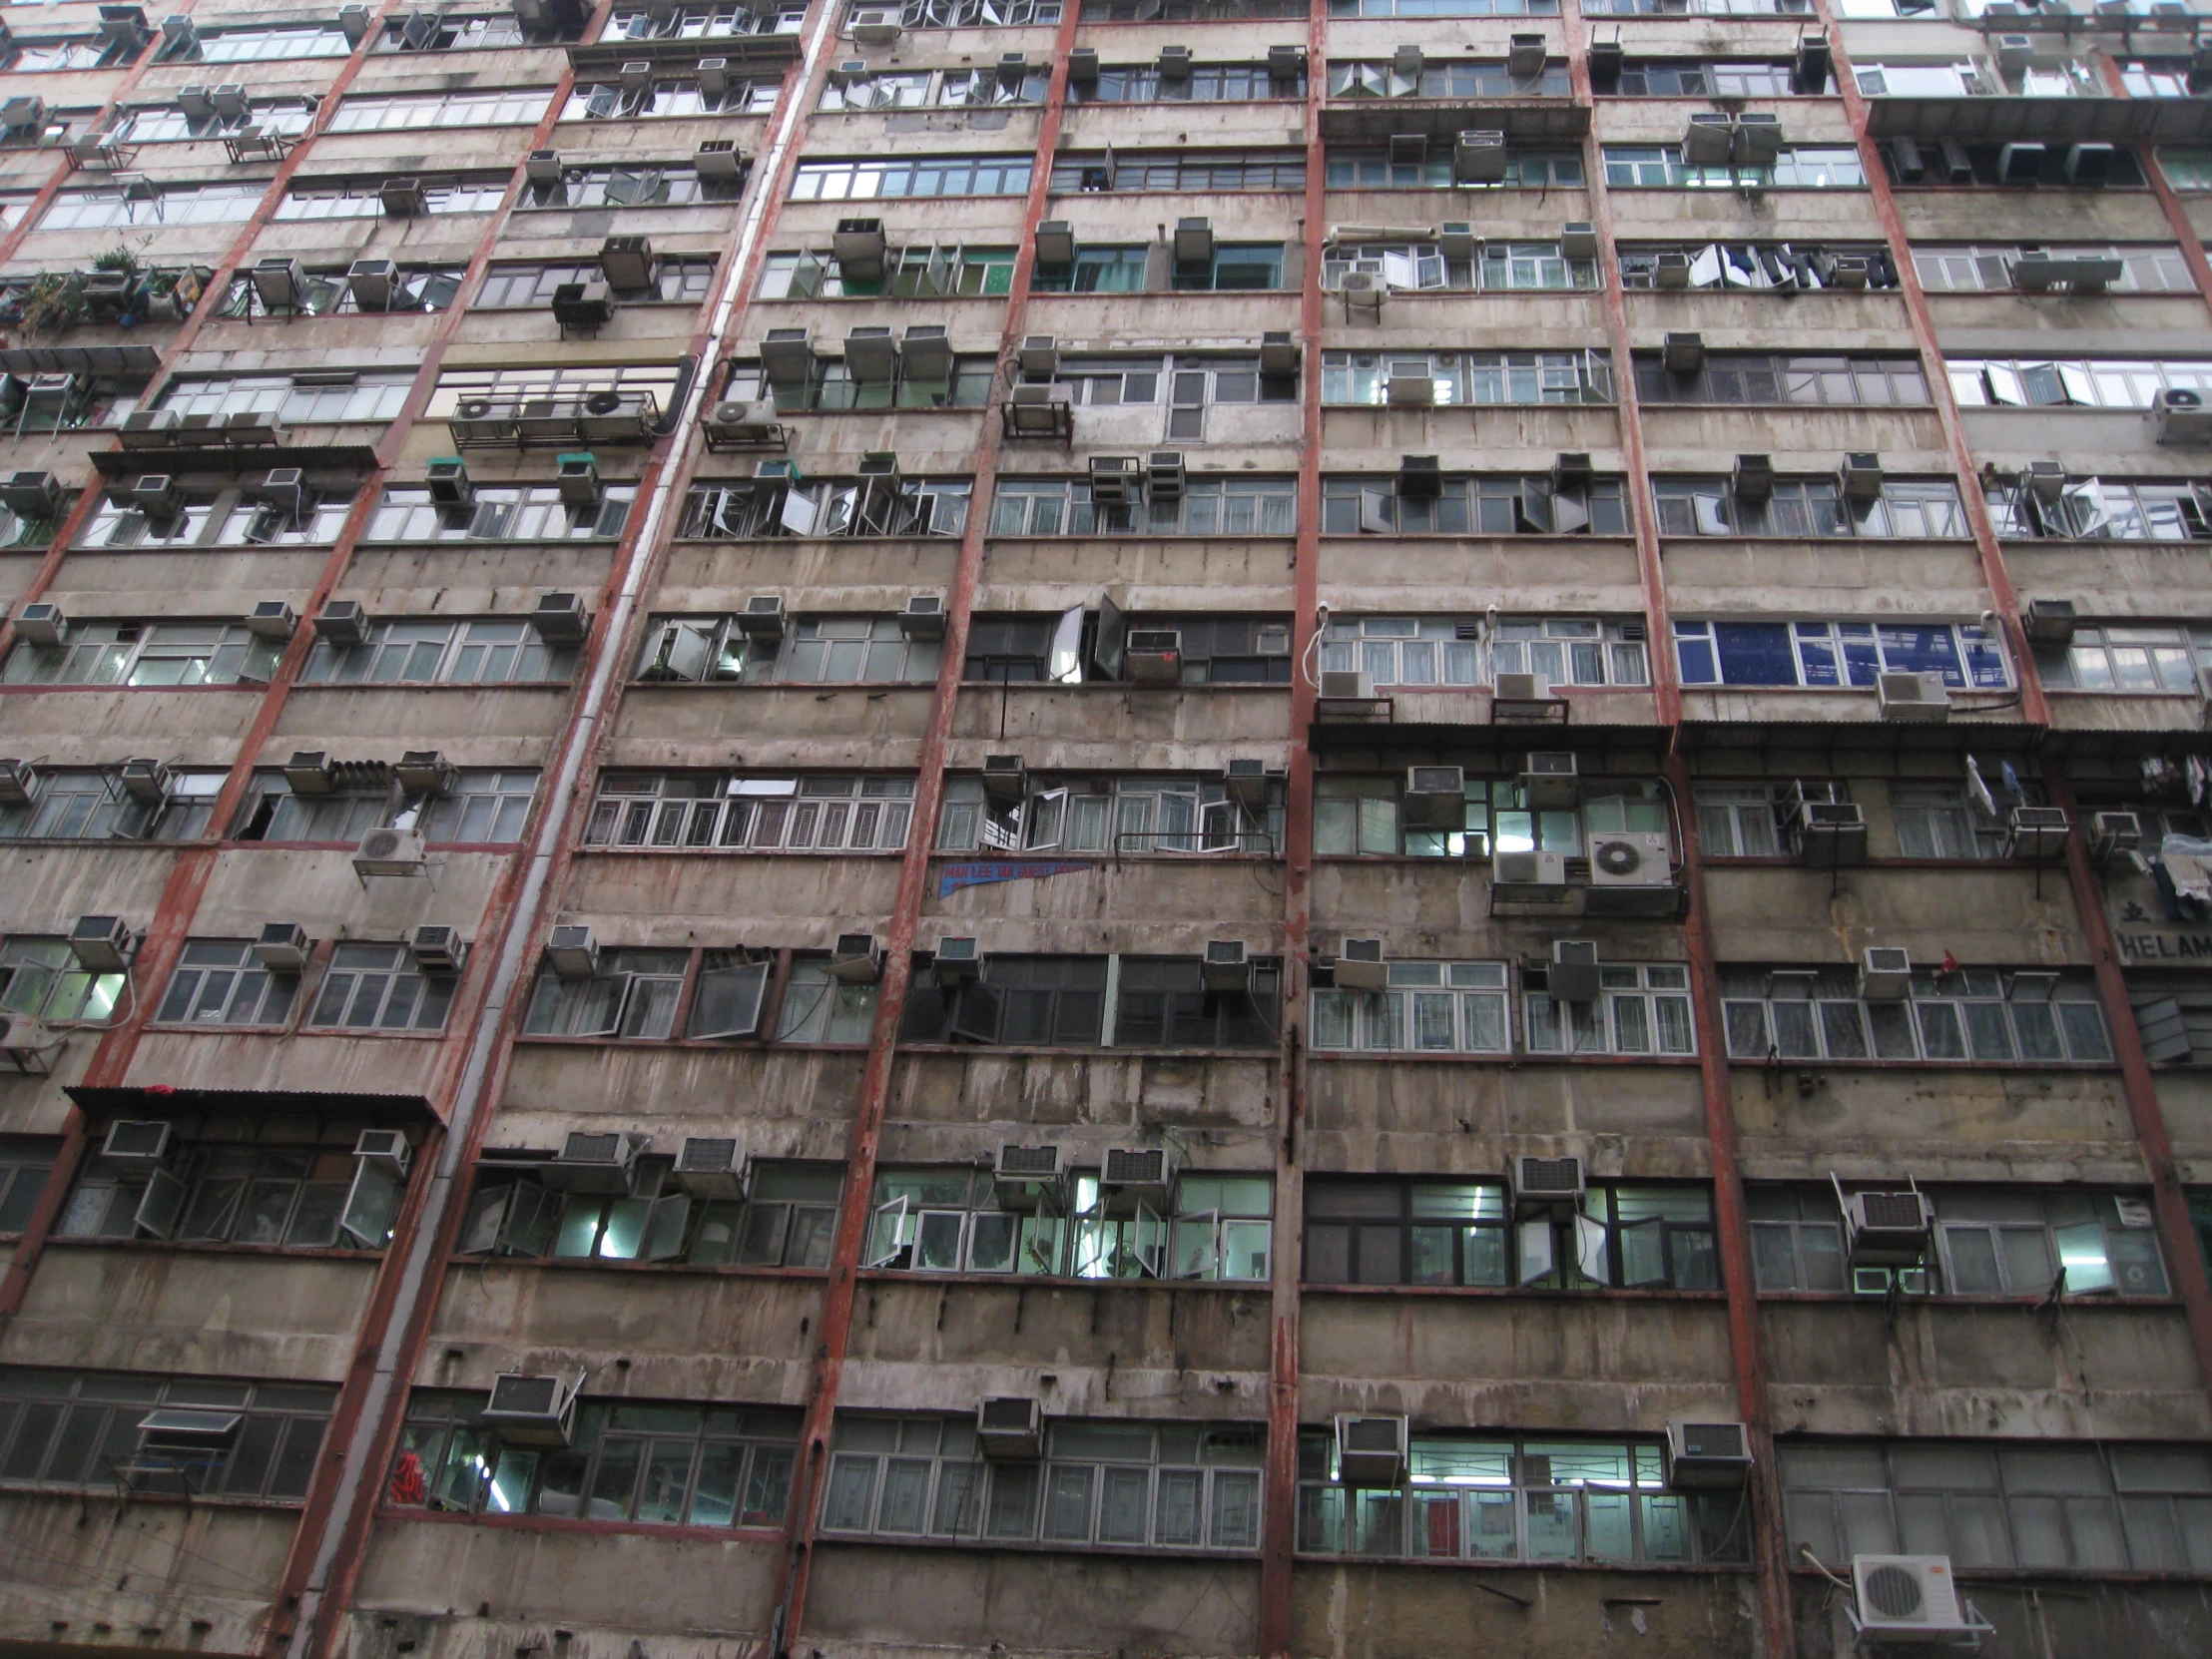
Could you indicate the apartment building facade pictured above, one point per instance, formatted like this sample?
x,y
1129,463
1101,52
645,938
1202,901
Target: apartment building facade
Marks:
x,y
1105,825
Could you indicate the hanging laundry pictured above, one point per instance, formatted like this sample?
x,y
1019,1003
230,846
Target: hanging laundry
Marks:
x,y
1978,789
2012,782
2198,779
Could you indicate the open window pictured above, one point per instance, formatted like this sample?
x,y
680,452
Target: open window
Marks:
x,y
512,1220
728,1000
371,1202
979,1013
162,1207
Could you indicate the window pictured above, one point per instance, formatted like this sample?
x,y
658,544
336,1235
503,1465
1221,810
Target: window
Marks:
x,y
1163,1486
1639,1010
1464,378
1784,377
85,400
1463,80
2186,169
110,206
925,272
640,1461
2032,1504
709,23
512,106
1998,1242
2127,658
364,197
54,56
88,804
1196,171
83,1429
1988,164
671,186
1480,506
968,14
1041,1001
1832,655
610,101
499,512
921,88
482,653
1779,267
160,124
855,651
932,175
305,400
1428,1008
947,1220
41,978
1359,816
1972,1014
1945,822
1500,1498
222,983
1357,169
1745,820
1234,268
1099,270
1442,652
262,45
2102,509
479,807
25,1164
307,1195
1199,83
1797,1239
414,289
377,987
1444,8
815,813
2157,77
146,654
631,994
1124,816
1661,166
2093,384
1691,78
531,286
786,1220
820,1009
1208,507
1164,1002
1919,509
832,385
1978,270
745,509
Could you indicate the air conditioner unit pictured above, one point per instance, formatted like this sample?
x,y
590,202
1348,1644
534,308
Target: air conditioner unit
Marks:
x,y
736,422
1707,1454
1886,1230
873,25
1194,241
145,780
1435,797
1478,158
1552,779
1861,476
2112,833
390,852
137,1147
584,305
1758,138
861,247
1010,1429
1521,688
1913,696
1885,974
560,619
1363,290
576,475
1055,243
709,1166
1225,967
1542,1186
926,350
342,622
437,947
1630,860
154,494
18,783
787,354
1571,470
1410,392
1420,478
23,113
1022,1177
532,1411
959,959
42,623
1910,1599
593,1161
1753,479
2179,416
571,951
2049,621
384,1149
280,283
1114,480
1850,270
1371,1451
2089,165
423,772
716,161
636,77
1683,353
542,167
855,959
31,495
2037,832
871,355
1248,781
1347,685
448,481
1153,656
1528,869
1525,55
1709,140
626,262
282,946
1579,240
101,943
763,618
1279,352
1163,475
1175,63
1829,833
404,198
1130,1176
1573,974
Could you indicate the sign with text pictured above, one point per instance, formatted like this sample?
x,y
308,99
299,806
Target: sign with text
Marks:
x,y
2146,938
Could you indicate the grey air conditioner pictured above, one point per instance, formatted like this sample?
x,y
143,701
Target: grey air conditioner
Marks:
x,y
1024,1176
560,619
2179,416
311,771
31,495
1683,353
282,946
1347,685
1279,352
1887,1229
716,161
42,623
1911,695
1248,781
1861,476
1478,158
2112,833
145,780
18,783
857,959
1371,1450
627,263
2048,622
1435,797
1359,966
709,1166
861,247
423,772
1707,1454
1055,243
101,943
437,947
271,619
1010,1429
1129,1175
957,960
2037,832
1573,974
763,618
386,1150
1006,780
448,479
591,1161
571,951
1552,779
924,618
1544,1186
532,1411
1224,966
1752,481
1153,656
1194,241
404,198
1828,834
576,475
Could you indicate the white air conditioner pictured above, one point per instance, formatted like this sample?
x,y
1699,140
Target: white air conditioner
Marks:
x,y
1115,480
1911,695
137,1147
873,25
763,618
1886,1230
101,943
1359,966
282,946
1010,1427
2179,416
1225,967
390,852
1130,1176
1521,688
1370,1449
385,1148
1023,1176
1435,797
857,959
1545,1185
532,1411
437,947
1642,860
271,619
1529,869
1552,779
709,1166
2037,832
592,1161
1908,1598
145,780
959,959
572,952
1707,1454
733,421
1885,974
18,783
1363,290
2112,833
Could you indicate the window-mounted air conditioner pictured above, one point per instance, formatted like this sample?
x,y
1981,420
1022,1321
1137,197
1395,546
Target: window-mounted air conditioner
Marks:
x,y
1279,352
282,946
1130,1176
311,771
571,951
1829,833
390,852
1164,477
1056,249
924,618
763,618
1435,797
1552,779
716,161
1174,64
1194,241
386,1150
145,780
857,959
560,619
137,1147
1153,656
1023,1176
2049,621
1528,869
593,1161
1478,158
1887,1229
583,305
2112,833
437,947
18,782
1370,1449
31,495
1707,1454
2036,833
1911,695
860,246
1682,353
402,198
709,1166
101,943
1224,966
1709,140
957,959
1115,480
1885,974
1419,478
1859,477
1006,780
1573,972
1543,1185
532,1411
271,619
1010,1429
1525,55
1248,781
873,25
1521,688
423,772
1753,478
